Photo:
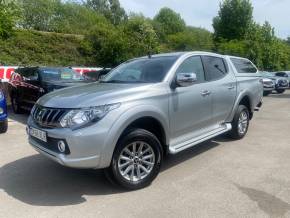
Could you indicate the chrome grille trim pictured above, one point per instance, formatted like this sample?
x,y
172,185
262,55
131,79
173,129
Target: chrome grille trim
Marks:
x,y
48,117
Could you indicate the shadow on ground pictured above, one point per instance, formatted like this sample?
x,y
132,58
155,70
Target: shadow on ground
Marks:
x,y
270,204
284,95
38,181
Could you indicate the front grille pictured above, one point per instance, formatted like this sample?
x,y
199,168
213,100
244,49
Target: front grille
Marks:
x,y
268,83
47,117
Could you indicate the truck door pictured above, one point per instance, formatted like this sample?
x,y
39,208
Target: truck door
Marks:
x,y
190,107
224,87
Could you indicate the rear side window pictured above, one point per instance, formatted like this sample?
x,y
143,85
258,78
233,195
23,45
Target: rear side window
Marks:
x,y
192,65
243,65
215,68
282,74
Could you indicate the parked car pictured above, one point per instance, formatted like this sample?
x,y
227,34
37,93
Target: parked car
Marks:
x,y
143,109
285,74
96,74
3,111
281,84
268,86
28,84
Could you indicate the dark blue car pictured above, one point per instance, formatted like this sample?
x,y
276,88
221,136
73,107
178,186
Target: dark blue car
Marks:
x,y
3,112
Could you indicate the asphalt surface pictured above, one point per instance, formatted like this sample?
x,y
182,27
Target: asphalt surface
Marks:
x,y
219,178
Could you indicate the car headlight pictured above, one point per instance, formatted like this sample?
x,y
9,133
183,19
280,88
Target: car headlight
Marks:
x,y
79,118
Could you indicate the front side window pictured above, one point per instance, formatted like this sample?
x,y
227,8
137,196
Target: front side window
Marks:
x,y
144,70
192,65
28,73
243,65
215,67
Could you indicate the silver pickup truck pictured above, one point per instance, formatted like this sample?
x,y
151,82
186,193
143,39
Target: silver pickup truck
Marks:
x,y
146,108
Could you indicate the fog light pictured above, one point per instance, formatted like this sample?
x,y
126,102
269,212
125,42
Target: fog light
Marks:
x,y
1,110
61,146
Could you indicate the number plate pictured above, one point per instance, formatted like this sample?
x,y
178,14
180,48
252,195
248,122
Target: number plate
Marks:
x,y
39,134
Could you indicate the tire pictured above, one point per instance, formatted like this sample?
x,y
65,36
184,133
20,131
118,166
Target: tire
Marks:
x,y
150,160
266,93
3,126
280,91
16,106
237,131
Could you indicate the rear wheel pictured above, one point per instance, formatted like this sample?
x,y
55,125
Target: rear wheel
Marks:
x,y
136,161
240,123
280,91
3,126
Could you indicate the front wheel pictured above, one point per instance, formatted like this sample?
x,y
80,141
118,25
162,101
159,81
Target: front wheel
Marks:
x,y
240,123
16,107
4,126
136,161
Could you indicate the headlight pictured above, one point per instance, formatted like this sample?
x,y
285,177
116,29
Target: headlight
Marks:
x,y
78,118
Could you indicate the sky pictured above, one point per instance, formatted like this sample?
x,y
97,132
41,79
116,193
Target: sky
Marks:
x,y
200,13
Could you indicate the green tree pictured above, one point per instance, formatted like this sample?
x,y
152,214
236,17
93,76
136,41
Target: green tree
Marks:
x,y
111,9
234,19
168,22
8,15
106,45
142,38
38,14
71,17
261,46
191,39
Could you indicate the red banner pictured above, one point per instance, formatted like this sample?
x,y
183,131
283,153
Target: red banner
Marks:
x,y
6,71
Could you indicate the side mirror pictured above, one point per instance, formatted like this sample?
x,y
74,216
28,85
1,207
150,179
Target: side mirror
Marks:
x,y
186,79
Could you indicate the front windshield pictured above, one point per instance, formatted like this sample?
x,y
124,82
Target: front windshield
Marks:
x,y
60,74
144,70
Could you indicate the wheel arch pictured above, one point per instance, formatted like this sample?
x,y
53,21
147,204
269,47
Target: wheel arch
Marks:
x,y
138,117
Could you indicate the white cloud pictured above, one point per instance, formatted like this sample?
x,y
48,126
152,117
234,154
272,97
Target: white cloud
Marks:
x,y
200,13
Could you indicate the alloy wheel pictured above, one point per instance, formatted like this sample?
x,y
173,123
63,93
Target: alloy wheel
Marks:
x,y
136,161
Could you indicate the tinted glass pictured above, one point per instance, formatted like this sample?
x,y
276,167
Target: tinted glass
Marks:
x,y
282,74
60,74
145,70
243,65
214,68
192,65
28,73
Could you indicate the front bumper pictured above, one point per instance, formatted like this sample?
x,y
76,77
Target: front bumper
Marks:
x,y
267,88
85,146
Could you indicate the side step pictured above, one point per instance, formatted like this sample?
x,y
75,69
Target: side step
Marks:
x,y
192,142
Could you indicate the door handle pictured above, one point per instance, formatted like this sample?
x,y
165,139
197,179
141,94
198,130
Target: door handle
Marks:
x,y
231,87
205,93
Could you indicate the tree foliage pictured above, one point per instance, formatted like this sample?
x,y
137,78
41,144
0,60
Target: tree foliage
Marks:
x,y
8,16
100,33
234,19
168,22
111,9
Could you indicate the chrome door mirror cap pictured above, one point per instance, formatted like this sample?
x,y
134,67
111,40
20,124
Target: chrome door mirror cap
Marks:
x,y
186,79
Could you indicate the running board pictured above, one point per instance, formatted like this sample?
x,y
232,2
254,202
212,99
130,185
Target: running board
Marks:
x,y
192,142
